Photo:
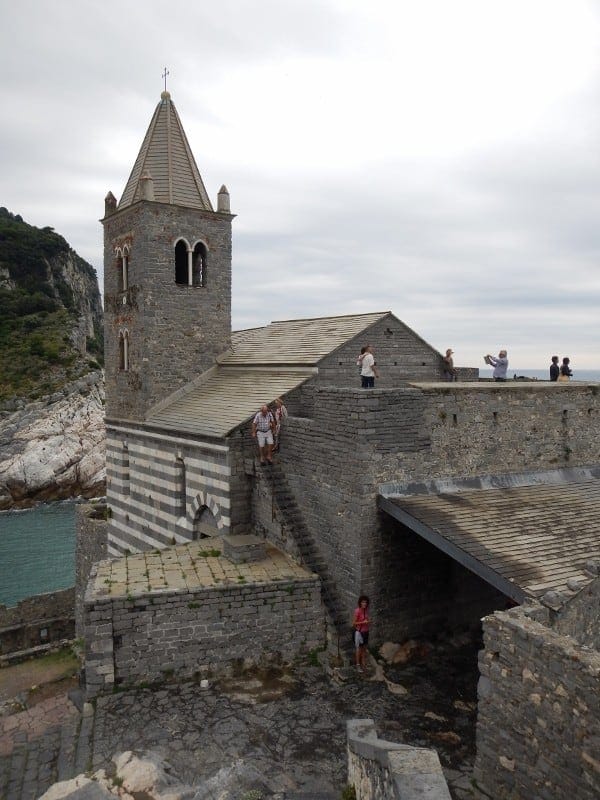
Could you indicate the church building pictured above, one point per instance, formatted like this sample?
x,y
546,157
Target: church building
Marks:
x,y
444,502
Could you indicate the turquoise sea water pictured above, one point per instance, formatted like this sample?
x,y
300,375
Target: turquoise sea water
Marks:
x,y
37,551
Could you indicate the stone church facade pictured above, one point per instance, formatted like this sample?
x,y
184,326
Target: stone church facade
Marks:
x,y
434,498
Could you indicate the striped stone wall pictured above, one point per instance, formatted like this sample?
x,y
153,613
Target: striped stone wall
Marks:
x,y
163,489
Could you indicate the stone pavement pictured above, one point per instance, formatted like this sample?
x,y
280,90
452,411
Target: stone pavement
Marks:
x,y
290,727
187,567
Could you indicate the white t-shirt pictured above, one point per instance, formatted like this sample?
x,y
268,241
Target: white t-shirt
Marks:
x,y
367,365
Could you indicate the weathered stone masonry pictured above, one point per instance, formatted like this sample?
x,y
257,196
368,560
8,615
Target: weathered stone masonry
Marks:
x,y
538,729
175,331
339,445
182,633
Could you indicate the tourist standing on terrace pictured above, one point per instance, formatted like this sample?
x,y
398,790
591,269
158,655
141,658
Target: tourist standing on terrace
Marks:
x,y
554,369
449,368
499,364
368,370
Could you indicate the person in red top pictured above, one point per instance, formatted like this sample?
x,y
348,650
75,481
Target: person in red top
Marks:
x,y
360,624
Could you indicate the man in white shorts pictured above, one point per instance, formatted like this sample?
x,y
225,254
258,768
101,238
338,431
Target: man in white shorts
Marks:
x,y
263,425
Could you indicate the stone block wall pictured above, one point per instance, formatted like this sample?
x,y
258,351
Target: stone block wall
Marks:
x,y
492,429
538,728
37,620
181,633
400,353
91,546
175,331
158,485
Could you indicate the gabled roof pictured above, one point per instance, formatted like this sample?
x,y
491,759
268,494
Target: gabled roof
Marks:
x,y
526,540
264,364
226,399
166,155
296,341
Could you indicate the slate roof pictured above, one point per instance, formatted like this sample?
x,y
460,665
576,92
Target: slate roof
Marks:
x,y
264,364
297,341
226,399
526,540
166,155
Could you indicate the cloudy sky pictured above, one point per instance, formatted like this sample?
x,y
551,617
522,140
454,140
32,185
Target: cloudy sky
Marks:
x,y
439,159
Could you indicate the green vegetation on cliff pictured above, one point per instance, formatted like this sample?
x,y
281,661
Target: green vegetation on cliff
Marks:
x,y
41,308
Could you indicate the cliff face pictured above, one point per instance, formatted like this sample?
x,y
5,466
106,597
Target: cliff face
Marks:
x,y
51,381
50,311
54,448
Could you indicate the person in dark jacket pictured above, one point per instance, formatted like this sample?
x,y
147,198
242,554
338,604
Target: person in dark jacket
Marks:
x,y
554,369
565,370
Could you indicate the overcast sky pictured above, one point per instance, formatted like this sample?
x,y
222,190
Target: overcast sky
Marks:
x,y
438,159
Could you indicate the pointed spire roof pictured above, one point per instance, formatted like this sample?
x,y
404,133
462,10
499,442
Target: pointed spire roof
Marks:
x,y
166,155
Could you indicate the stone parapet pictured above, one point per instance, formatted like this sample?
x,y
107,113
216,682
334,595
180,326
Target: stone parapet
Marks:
x,y
380,770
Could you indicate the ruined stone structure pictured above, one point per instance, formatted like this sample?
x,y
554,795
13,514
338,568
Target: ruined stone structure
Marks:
x,y
437,499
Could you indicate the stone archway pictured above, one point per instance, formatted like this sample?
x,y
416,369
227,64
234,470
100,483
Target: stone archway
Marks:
x,y
205,517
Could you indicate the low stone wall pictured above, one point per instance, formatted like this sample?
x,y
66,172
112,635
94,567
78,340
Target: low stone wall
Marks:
x,y
380,770
181,633
538,728
37,620
90,547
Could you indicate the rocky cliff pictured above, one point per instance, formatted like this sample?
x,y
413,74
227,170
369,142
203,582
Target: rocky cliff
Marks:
x,y
54,448
51,381
50,312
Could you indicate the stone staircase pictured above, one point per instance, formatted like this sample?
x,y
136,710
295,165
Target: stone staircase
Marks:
x,y
308,549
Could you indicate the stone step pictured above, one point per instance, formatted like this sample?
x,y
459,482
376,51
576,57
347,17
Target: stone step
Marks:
x,y
83,751
18,763
65,763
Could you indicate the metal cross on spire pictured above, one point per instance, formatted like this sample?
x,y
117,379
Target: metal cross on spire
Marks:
x,y
165,73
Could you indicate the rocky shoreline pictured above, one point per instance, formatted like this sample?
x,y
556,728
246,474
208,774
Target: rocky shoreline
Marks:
x,y
54,448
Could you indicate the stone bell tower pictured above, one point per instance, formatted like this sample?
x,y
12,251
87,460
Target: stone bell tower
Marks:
x,y
167,273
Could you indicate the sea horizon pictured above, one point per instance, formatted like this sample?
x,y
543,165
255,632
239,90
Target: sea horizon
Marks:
x,y
543,374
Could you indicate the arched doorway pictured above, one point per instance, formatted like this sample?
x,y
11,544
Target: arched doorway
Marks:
x,y
205,524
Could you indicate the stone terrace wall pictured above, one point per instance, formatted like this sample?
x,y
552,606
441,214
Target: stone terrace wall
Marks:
x,y
487,428
90,547
37,620
538,729
181,633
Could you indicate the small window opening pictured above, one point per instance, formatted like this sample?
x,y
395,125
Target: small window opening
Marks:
x,y
454,420
495,416
125,467
124,351
181,263
122,267
181,486
199,265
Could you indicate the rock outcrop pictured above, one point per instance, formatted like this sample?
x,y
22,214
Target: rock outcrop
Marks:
x,y
54,448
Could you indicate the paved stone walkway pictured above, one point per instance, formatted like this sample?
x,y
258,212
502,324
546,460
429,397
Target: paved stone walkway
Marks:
x,y
290,728
188,567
